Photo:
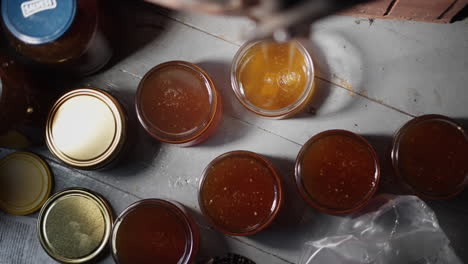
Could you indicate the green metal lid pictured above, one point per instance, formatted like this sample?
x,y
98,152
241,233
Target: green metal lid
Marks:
x,y
74,225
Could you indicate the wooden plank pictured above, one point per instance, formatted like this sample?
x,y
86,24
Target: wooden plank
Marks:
x,y
373,9
452,11
416,67
419,9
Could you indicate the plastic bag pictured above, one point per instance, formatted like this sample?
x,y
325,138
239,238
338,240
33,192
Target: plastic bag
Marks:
x,y
390,230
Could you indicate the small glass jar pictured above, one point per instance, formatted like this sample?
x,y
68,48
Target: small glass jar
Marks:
x,y
430,156
87,129
67,34
178,103
74,226
274,80
155,231
337,172
240,193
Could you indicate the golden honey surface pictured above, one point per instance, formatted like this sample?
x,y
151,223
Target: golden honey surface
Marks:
x,y
273,75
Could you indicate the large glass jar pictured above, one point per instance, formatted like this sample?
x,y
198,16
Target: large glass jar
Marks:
x,y
71,35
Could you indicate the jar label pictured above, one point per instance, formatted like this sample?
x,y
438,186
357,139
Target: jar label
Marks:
x,y
30,8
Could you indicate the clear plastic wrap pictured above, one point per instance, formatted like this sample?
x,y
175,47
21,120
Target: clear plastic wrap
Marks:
x,y
390,230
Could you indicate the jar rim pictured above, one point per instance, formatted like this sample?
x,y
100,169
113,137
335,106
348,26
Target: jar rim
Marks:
x,y
395,148
277,113
185,137
175,208
277,202
298,171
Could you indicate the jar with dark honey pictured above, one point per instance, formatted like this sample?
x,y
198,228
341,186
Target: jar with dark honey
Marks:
x,y
68,35
430,156
178,103
23,108
155,231
337,172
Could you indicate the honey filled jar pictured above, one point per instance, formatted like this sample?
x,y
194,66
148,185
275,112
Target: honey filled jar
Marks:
x,y
178,103
23,107
66,34
240,193
430,156
337,172
271,79
155,231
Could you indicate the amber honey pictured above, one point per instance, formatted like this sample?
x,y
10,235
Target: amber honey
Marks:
x,y
240,193
154,231
273,79
337,171
178,103
430,154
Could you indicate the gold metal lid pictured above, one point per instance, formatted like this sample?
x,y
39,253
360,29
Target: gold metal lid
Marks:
x,y
86,128
25,183
74,225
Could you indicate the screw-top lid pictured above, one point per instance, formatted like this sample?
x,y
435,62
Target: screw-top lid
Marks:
x,y
74,225
86,128
38,21
25,183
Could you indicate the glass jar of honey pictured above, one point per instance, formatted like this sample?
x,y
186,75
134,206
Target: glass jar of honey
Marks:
x,y
178,103
15,94
86,129
272,79
430,156
67,34
23,107
155,231
240,193
337,172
